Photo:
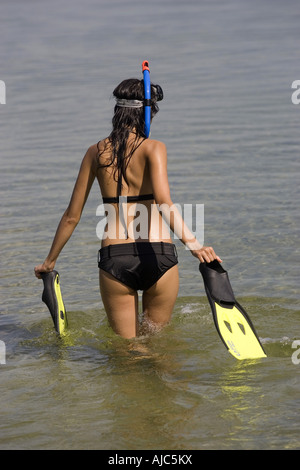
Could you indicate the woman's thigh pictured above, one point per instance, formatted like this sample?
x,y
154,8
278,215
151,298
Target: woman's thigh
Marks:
x,y
121,305
159,300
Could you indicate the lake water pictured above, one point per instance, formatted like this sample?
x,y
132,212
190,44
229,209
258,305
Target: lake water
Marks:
x,y
232,134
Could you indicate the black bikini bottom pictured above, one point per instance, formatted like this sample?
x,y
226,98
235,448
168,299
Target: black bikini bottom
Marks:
x,y
138,265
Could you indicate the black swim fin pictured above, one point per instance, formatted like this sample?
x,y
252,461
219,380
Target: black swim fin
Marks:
x,y
53,299
232,322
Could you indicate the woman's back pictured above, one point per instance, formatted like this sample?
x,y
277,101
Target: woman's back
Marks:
x,y
128,220
137,171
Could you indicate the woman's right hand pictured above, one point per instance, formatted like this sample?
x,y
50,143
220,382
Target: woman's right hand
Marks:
x,y
42,268
206,254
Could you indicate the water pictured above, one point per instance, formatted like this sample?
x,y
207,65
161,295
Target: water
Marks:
x,y
233,142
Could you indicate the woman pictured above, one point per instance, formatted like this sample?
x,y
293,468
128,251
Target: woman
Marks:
x,y
132,174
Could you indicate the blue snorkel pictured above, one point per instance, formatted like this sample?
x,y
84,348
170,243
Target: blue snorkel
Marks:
x,y
147,101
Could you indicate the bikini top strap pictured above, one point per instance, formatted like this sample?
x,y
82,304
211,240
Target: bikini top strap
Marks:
x,y
140,197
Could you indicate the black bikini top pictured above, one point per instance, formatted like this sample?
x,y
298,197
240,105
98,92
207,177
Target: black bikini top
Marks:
x,y
116,200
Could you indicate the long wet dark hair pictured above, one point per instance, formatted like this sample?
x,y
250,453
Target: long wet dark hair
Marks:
x,y
125,121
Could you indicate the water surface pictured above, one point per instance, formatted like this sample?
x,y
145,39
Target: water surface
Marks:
x,y
232,135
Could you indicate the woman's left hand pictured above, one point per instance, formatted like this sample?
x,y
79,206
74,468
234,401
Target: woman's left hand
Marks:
x,y
206,254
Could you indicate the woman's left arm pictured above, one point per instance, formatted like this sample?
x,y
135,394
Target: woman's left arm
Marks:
x,y
72,215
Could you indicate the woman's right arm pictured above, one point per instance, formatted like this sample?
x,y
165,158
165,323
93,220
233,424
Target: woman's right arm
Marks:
x,y
157,160
72,214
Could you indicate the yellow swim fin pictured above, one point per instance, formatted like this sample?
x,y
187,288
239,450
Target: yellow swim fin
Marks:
x,y
52,297
232,322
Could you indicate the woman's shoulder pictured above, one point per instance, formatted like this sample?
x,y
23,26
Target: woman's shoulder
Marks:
x,y
154,148
98,146
93,153
97,149
153,142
